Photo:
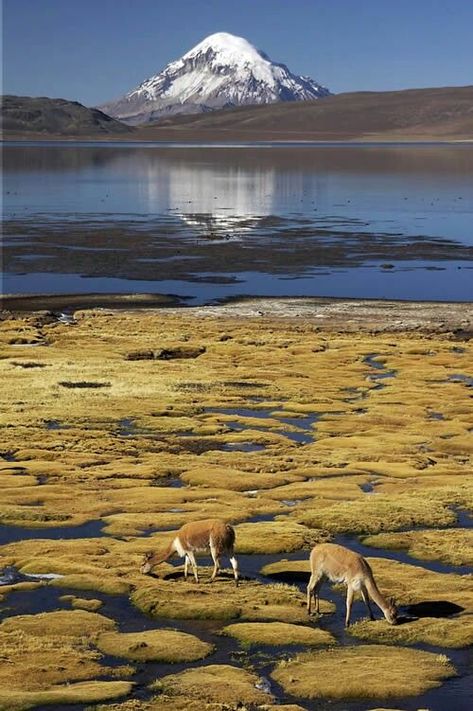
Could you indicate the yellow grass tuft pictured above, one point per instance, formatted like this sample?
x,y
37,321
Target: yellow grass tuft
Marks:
x,y
371,671
154,645
218,683
278,633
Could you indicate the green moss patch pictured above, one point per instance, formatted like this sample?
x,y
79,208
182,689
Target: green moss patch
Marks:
x,y
371,671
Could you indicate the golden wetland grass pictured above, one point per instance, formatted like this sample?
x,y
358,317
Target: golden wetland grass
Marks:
x,y
280,427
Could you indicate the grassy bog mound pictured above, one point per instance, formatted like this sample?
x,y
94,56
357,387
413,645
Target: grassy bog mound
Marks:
x,y
372,671
154,645
278,633
221,600
454,546
280,426
217,683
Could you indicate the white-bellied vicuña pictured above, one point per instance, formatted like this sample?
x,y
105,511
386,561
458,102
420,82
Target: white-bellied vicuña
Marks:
x,y
329,561
211,535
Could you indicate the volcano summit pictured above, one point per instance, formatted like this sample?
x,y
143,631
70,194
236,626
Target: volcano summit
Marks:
x,y
221,71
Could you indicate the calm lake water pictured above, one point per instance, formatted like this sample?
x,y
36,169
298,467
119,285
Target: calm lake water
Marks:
x,y
210,222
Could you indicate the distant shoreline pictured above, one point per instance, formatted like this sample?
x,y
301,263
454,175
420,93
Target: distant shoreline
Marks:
x,y
217,142
327,313
441,114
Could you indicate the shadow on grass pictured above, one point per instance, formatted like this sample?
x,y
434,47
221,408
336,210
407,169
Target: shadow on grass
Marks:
x,y
431,608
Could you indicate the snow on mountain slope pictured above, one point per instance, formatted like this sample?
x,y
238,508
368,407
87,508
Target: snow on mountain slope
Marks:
x,y
222,70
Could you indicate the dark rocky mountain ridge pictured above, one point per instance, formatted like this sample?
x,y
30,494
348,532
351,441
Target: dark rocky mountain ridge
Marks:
x,y
26,114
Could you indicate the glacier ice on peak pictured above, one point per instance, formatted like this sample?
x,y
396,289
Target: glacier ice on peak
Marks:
x,y
222,70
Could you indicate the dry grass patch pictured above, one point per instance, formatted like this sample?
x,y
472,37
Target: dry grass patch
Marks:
x,y
333,487
218,683
453,546
61,623
86,692
378,513
455,633
371,671
182,703
282,536
218,600
228,478
81,603
277,633
38,658
410,584
154,645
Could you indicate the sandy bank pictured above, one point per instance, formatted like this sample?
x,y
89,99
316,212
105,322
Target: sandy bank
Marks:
x,y
327,313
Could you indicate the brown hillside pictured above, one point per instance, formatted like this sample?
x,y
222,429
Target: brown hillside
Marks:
x,y
441,114
423,114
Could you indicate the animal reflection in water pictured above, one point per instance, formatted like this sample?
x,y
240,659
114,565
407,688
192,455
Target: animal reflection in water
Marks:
x,y
211,535
329,561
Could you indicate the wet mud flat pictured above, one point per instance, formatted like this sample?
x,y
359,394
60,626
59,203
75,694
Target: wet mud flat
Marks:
x,y
193,259
296,429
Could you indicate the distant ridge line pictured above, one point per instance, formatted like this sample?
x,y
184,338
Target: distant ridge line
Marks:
x,y
421,115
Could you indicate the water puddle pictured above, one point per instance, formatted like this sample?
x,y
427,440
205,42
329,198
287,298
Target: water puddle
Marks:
x,y
54,425
381,374
435,416
242,447
303,434
12,534
174,482
460,378
368,487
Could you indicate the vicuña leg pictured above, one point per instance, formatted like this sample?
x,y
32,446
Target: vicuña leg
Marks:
x,y
234,564
194,565
349,604
313,589
216,560
366,599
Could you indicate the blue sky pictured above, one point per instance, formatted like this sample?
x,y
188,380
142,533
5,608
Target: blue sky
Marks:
x,y
96,50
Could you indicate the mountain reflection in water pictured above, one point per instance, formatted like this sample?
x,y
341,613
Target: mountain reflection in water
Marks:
x,y
353,221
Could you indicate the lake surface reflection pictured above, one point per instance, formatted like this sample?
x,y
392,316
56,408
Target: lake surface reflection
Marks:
x,y
210,222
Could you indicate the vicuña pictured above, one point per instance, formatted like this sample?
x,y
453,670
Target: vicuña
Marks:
x,y
338,564
211,535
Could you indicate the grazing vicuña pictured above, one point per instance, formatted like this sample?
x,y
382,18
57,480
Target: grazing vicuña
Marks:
x,y
211,535
329,561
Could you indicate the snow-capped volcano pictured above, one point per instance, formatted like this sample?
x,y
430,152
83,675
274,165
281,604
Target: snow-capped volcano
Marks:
x,y
222,70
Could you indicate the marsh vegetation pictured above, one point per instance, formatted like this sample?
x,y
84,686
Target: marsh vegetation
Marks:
x,y
95,477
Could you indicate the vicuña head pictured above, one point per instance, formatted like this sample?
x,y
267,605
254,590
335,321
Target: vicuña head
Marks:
x,y
211,535
338,564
